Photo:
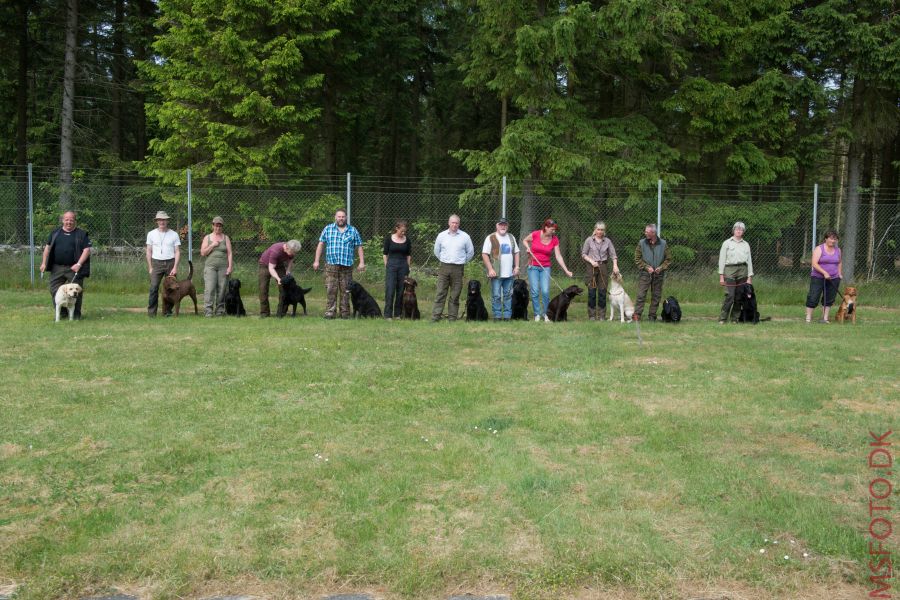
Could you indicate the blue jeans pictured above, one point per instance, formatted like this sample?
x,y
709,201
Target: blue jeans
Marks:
x,y
501,297
539,281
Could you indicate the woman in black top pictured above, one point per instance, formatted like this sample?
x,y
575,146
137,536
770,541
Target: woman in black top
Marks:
x,y
397,256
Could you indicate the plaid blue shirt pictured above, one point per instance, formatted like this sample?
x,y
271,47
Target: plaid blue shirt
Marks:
x,y
339,246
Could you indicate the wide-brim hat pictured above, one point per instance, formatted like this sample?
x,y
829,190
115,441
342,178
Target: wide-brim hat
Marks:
x,y
162,216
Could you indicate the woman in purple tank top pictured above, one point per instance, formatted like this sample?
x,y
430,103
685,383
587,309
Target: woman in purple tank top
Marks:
x,y
825,278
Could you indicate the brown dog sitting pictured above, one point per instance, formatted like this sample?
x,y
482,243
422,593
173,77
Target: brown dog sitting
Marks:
x,y
848,306
410,302
174,290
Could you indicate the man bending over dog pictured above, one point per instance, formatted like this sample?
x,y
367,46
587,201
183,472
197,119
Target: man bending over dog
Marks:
x,y
275,263
339,239
68,256
163,253
652,257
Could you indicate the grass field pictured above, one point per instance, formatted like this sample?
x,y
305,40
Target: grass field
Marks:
x,y
184,458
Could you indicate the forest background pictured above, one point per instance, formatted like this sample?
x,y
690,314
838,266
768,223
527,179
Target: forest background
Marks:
x,y
773,94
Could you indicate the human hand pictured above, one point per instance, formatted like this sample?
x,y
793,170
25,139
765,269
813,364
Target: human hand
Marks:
x,y
491,273
361,267
568,273
316,266
174,271
43,267
228,271
721,280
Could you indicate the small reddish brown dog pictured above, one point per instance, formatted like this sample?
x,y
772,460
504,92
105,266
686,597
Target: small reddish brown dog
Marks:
x,y
847,311
174,291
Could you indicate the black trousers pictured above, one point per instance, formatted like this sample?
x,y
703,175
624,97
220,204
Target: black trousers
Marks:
x,y
395,272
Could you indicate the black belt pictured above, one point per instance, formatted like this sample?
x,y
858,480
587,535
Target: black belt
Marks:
x,y
737,265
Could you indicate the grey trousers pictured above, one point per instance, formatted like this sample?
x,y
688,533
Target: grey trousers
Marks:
x,y
214,279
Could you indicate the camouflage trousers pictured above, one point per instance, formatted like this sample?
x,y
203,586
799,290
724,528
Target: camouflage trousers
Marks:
x,y
337,280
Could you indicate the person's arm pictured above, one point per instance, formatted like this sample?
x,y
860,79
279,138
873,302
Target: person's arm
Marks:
x,y
560,260
667,260
230,258
749,265
470,248
85,254
816,255
486,259
614,257
723,251
174,270
274,273
516,262
44,258
288,266
362,258
149,258
318,255
206,246
585,248
437,246
639,260
841,266
385,249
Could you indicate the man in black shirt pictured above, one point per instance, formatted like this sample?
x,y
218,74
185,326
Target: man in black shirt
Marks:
x,y
68,256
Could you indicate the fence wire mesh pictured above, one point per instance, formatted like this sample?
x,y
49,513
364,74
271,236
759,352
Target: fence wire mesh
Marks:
x,y
118,211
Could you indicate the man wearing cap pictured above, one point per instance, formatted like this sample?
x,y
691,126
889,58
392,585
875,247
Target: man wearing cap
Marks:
x,y
68,256
500,254
163,254
653,258
453,248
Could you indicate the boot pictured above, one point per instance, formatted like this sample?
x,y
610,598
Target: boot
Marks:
x,y
601,314
592,314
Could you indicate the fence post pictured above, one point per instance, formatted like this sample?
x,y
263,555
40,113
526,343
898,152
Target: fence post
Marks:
x,y
348,197
659,207
30,225
503,208
190,219
815,214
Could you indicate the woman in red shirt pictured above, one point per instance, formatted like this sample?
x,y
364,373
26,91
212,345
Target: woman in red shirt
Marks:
x,y
540,245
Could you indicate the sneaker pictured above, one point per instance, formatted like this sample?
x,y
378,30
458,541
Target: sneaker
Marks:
x,y
546,319
537,318
721,322
825,321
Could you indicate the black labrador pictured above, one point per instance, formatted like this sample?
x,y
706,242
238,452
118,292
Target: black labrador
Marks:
x,y
234,306
558,309
520,300
475,308
746,305
671,310
289,295
410,308
364,304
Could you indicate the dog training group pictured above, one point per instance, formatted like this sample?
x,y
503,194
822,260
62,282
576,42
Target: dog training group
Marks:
x,y
365,306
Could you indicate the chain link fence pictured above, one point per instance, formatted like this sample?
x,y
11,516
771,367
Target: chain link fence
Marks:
x,y
118,210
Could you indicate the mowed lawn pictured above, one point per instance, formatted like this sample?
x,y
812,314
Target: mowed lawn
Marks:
x,y
184,458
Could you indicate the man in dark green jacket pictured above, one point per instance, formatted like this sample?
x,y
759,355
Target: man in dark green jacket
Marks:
x,y
652,257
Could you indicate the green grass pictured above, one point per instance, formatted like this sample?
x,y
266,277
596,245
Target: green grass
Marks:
x,y
175,457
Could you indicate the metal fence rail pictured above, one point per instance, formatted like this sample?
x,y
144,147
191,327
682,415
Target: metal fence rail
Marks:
x,y
783,222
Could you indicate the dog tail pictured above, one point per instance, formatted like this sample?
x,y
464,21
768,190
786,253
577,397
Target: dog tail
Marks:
x,y
190,270
306,291
765,319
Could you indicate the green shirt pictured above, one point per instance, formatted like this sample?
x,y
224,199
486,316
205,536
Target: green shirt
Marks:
x,y
735,252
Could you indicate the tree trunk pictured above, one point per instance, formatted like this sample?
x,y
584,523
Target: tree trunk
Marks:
x,y
22,125
117,141
851,225
68,107
329,128
503,114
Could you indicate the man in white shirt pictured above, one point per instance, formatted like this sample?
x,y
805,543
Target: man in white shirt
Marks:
x,y
453,248
500,254
163,253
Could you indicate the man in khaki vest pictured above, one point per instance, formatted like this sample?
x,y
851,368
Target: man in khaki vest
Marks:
x,y
500,254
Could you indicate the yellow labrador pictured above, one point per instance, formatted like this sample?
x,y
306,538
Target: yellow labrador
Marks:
x,y
618,298
66,297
